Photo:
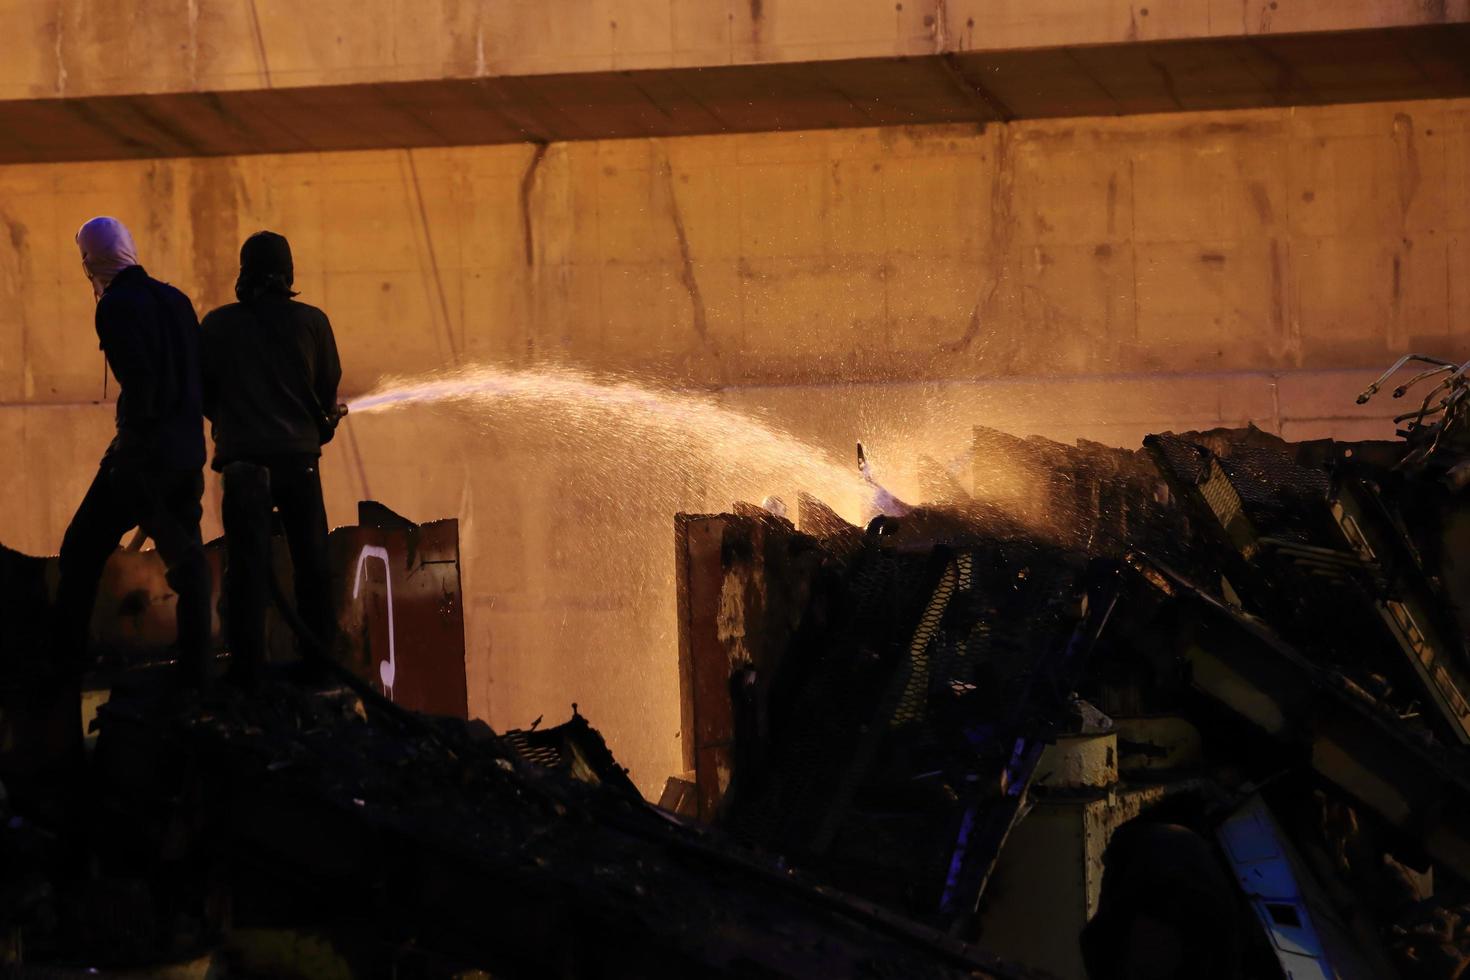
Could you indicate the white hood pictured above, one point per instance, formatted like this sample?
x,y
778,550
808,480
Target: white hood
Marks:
x,y
107,249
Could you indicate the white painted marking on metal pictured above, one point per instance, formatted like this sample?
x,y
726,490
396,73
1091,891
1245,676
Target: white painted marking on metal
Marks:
x,y
388,669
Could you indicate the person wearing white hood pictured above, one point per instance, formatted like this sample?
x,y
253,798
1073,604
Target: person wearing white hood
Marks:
x,y
151,475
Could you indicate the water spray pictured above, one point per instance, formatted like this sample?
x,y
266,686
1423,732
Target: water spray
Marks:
x,y
884,502
670,432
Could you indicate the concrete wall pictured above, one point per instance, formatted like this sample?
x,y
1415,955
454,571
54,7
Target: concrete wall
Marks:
x,y
1091,278
1272,239
83,48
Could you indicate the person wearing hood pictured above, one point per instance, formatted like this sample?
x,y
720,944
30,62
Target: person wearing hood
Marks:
x,y
151,476
270,390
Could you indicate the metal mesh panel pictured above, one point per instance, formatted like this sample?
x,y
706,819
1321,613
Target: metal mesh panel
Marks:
x,y
1222,497
1185,459
544,754
1277,493
915,697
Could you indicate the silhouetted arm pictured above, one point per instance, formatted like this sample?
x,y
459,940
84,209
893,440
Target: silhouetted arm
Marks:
x,y
328,371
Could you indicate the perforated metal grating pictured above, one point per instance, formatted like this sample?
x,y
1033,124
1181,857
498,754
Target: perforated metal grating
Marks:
x,y
545,754
915,698
1277,493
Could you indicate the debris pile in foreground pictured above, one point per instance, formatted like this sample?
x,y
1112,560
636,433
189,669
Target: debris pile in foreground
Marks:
x,y
311,833
426,847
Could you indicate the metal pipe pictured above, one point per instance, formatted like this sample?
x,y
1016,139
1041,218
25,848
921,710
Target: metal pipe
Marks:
x,y
1402,389
1372,389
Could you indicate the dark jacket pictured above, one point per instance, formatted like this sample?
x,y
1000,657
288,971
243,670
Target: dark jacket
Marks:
x,y
150,335
270,379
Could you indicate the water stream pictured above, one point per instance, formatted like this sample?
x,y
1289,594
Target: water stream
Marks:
x,y
658,438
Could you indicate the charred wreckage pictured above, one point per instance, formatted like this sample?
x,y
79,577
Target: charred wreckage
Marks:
x,y
1196,710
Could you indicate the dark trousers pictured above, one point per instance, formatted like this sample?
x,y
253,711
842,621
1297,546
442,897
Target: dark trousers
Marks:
x,y
166,505
252,489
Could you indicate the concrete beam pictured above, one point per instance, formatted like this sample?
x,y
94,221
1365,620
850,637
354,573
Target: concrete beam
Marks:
x,y
1243,71
85,49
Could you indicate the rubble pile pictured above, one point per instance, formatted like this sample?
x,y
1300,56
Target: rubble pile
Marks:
x,y
428,847
1224,653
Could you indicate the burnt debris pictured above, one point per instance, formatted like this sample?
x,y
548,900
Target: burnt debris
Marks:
x,y
435,847
1223,652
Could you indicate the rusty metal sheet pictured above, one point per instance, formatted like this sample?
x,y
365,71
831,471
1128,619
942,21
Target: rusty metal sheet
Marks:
x,y
400,610
707,729
744,584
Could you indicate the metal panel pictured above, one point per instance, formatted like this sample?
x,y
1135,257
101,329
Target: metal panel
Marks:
x,y
707,727
1406,613
400,610
1308,943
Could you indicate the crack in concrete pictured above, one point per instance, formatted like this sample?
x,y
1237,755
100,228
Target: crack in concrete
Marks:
x,y
528,184
265,66
1279,320
686,263
1002,224
435,277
